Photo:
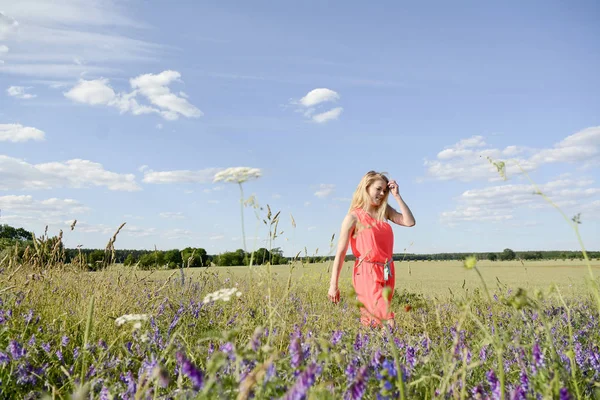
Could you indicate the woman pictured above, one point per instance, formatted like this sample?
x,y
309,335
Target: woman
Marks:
x,y
371,237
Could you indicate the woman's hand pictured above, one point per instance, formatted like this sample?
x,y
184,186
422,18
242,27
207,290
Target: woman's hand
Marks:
x,y
393,185
334,294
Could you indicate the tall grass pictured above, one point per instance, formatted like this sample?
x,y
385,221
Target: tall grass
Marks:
x,y
118,333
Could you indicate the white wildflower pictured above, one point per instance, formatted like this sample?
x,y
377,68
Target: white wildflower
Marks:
x,y
222,294
137,325
237,174
131,318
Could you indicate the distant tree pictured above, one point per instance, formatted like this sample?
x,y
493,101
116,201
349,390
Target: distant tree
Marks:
x,y
508,255
129,260
492,256
173,258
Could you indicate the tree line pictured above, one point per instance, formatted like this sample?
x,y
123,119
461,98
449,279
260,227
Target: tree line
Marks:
x,y
15,241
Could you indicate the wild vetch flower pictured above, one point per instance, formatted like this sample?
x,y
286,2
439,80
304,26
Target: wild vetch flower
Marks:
x,y
4,358
64,341
336,337
478,392
538,357
46,347
410,356
130,382
305,380
494,384
255,340
16,350
386,375
564,394
357,389
295,352
31,342
28,317
351,369
104,393
196,376
130,318
222,294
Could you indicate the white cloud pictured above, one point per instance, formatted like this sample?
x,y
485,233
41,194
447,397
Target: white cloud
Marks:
x,y
19,133
328,115
313,100
53,206
3,50
8,26
317,96
19,92
51,38
499,203
85,227
325,189
153,87
467,160
180,176
276,196
171,215
178,233
216,237
137,231
18,175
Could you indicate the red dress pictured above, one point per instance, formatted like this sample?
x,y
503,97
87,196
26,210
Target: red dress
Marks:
x,y
372,244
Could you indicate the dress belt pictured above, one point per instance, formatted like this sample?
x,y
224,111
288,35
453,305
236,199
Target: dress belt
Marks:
x,y
387,272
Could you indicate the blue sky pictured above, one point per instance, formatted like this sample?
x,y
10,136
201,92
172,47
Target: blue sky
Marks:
x,y
123,111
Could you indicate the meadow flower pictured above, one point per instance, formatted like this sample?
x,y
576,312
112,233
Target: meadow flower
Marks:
x,y
494,384
306,379
16,350
189,369
130,318
222,295
357,389
336,337
4,358
564,394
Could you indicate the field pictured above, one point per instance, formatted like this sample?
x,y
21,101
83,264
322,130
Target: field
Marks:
x,y
130,334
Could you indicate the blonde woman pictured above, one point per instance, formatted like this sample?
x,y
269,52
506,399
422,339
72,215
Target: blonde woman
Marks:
x,y
371,238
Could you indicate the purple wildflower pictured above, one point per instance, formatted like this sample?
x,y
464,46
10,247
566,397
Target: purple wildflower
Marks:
x,y
296,350
336,337
31,342
538,357
104,393
28,317
16,350
410,356
64,341
494,384
4,358
358,387
564,394
478,392
351,369
59,355
46,347
190,370
305,380
131,385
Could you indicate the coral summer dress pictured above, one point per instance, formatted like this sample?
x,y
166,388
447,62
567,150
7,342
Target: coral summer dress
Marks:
x,y
372,244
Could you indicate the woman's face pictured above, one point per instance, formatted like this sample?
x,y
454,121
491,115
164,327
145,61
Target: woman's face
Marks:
x,y
377,192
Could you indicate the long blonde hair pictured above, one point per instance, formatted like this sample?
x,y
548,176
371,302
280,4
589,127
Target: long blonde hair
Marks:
x,y
361,198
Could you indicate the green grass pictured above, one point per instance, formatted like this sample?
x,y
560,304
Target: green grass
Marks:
x,y
432,278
